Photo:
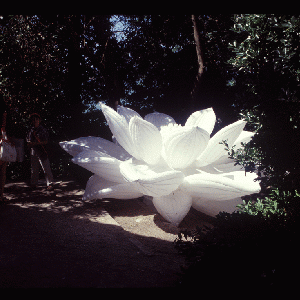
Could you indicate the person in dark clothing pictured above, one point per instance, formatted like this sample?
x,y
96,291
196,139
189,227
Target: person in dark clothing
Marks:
x,y
3,164
37,138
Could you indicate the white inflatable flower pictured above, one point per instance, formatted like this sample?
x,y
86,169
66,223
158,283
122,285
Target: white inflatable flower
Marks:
x,y
179,166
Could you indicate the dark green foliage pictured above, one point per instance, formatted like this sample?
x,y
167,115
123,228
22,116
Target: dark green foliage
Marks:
x,y
275,203
266,88
241,250
51,65
267,58
258,247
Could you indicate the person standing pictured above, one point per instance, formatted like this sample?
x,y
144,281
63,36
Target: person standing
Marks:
x,y
3,164
37,138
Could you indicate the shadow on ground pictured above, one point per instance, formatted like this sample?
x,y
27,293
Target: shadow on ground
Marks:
x,y
54,239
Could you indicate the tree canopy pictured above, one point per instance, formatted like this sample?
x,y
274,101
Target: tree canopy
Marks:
x,y
266,89
61,66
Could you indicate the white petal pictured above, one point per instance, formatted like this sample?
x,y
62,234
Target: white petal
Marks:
x,y
94,185
128,113
151,181
224,164
244,137
101,164
147,140
71,147
214,149
212,208
74,147
119,128
205,119
173,207
224,186
159,119
98,188
166,131
183,145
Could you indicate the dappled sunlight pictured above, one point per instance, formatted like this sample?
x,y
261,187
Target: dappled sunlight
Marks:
x,y
96,215
65,197
102,218
136,216
54,205
133,216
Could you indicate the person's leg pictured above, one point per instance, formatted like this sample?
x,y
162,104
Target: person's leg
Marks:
x,y
35,166
3,165
47,170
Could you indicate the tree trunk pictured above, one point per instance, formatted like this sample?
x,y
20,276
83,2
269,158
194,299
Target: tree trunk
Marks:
x,y
200,62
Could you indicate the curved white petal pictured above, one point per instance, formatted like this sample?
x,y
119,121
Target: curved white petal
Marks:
x,y
146,139
224,186
152,181
212,208
173,207
244,137
204,119
224,164
214,149
120,129
159,119
183,145
74,147
94,185
98,188
71,147
128,113
101,164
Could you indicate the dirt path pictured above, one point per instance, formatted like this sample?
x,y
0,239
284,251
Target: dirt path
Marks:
x,y
54,239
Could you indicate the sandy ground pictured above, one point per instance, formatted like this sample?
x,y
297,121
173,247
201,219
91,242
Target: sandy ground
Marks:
x,y
54,239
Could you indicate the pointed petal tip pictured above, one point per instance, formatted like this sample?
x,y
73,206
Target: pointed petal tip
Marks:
x,y
173,207
242,121
135,119
204,118
184,145
101,104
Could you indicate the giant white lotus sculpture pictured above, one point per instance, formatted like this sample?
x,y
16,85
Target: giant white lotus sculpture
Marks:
x,y
179,166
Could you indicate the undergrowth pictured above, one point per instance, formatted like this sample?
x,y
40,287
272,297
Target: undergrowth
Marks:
x,y
256,246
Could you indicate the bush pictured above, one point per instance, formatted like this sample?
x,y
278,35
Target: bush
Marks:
x,y
270,205
257,246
